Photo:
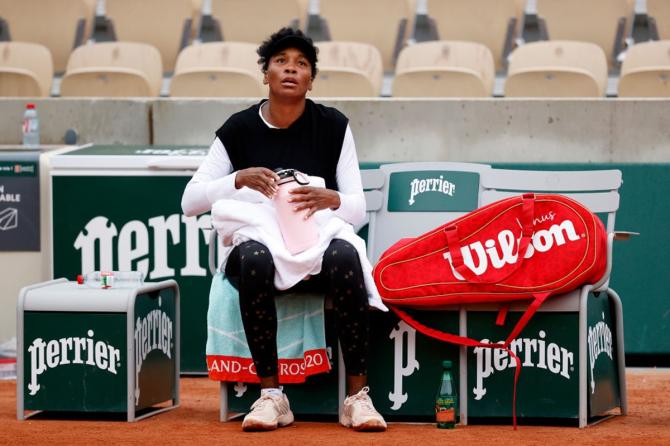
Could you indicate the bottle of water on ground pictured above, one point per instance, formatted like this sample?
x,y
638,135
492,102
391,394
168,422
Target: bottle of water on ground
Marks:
x,y
446,400
31,127
112,279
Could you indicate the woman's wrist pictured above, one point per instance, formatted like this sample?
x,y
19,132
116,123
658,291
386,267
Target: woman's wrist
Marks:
x,y
236,181
336,202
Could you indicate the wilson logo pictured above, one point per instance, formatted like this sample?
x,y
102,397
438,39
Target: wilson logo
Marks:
x,y
503,249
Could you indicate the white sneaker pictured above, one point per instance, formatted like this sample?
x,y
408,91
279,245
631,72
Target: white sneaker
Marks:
x,y
268,413
360,414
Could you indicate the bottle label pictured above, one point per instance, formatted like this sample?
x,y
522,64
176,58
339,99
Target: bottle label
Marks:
x,y
106,279
445,414
445,410
29,125
445,401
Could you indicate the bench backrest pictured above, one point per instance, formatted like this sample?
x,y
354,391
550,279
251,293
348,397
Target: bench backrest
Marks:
x,y
409,199
392,216
595,189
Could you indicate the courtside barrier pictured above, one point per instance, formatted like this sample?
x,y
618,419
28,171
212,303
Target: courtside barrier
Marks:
x,y
86,349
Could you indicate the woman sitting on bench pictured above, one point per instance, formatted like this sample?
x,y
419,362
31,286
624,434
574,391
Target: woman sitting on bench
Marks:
x,y
288,130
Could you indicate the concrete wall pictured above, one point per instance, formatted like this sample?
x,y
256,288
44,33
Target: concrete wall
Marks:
x,y
113,121
492,130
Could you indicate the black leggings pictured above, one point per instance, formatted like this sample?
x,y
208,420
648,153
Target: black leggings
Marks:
x,y
251,269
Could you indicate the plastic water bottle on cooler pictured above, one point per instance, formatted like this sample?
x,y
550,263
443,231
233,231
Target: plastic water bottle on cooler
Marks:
x,y
299,234
446,400
31,126
111,279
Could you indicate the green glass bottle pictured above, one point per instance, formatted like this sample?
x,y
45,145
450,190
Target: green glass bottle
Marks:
x,y
446,400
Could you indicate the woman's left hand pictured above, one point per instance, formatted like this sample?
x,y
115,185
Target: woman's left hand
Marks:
x,y
313,199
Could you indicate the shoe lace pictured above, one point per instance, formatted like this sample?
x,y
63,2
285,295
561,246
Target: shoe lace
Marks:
x,y
363,400
263,401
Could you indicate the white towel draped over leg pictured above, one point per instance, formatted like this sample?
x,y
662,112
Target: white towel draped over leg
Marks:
x,y
249,215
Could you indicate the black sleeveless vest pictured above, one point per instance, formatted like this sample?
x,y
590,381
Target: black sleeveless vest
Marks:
x,y
312,144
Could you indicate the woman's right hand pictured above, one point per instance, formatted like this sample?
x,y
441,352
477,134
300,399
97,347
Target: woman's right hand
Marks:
x,y
259,179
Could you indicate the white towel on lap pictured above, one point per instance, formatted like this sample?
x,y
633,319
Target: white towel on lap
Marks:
x,y
249,215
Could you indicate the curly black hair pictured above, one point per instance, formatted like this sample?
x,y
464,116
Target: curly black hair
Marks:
x,y
287,38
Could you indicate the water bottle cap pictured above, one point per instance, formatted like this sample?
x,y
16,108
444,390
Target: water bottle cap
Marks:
x,y
30,106
446,364
288,175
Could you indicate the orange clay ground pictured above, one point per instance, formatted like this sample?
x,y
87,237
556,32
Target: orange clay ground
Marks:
x,y
196,422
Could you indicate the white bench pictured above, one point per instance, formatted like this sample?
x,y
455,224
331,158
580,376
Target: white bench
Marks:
x,y
598,190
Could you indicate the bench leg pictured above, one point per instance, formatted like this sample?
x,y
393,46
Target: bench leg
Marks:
x,y
341,381
583,347
621,354
223,395
463,367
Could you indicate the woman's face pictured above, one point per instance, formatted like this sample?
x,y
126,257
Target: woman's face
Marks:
x,y
289,74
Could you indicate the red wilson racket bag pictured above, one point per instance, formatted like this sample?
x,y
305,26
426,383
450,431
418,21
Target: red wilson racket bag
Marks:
x,y
526,247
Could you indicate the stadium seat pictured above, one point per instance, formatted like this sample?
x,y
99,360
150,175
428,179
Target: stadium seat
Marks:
x,y
386,24
607,23
348,69
113,69
658,12
214,69
165,24
25,69
445,69
60,25
494,23
645,71
557,69
254,20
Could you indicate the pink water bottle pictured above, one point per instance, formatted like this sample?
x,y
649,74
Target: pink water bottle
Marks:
x,y
299,234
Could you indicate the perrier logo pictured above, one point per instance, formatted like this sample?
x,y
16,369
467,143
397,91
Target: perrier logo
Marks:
x,y
153,332
438,184
533,352
45,356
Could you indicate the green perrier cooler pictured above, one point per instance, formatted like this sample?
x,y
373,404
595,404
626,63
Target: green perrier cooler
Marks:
x,y
446,401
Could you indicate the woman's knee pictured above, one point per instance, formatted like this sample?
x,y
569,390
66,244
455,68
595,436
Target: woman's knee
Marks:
x,y
255,260
342,254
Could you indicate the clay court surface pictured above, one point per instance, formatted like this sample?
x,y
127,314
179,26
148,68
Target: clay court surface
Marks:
x,y
196,422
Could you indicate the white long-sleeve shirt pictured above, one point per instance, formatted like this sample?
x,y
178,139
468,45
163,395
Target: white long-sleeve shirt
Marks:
x,y
215,180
